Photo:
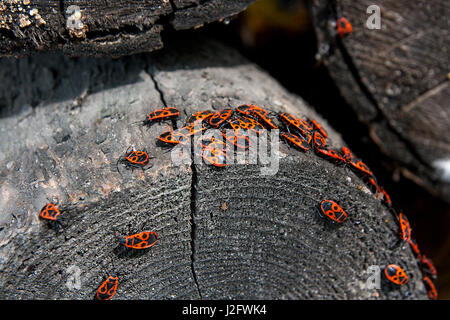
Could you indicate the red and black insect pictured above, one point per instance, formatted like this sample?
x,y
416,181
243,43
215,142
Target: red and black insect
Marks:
x,y
135,159
431,288
191,128
343,27
141,240
347,154
164,114
373,185
330,155
181,135
332,211
219,118
361,168
295,123
358,166
250,109
246,123
215,155
395,274
108,288
173,138
238,137
414,246
405,233
319,141
386,199
265,120
405,227
212,142
317,127
51,214
260,114
428,266
199,116
296,141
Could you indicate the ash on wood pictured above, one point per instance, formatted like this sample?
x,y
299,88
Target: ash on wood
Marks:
x,y
396,79
122,27
222,233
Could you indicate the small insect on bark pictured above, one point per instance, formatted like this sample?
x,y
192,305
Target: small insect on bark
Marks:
x,y
135,159
51,214
141,240
395,274
108,288
164,114
332,211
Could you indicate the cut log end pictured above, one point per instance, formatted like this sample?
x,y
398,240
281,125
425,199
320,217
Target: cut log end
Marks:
x,y
223,233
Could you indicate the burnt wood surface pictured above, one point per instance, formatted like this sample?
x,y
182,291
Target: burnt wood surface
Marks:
x,y
224,233
106,28
396,79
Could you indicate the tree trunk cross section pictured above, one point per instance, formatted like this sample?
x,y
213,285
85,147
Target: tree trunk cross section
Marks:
x,y
222,234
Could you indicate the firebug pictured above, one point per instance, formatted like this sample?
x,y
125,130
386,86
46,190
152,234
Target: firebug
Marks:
x,y
395,274
108,288
141,240
164,114
51,214
332,211
219,118
135,159
431,288
295,141
343,27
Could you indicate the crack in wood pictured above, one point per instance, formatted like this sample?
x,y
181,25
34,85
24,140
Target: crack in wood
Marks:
x,y
193,195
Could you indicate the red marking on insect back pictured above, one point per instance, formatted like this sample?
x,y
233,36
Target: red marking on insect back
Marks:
x,y
173,137
395,274
333,211
249,109
295,141
319,140
214,143
137,157
431,289
343,27
386,199
239,138
215,155
246,123
347,154
316,126
199,116
220,117
141,240
428,265
405,227
265,120
360,168
373,184
49,212
108,288
161,114
329,154
191,129
414,246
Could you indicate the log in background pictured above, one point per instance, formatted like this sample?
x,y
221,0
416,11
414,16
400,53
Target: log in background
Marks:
x,y
229,233
396,79
121,27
